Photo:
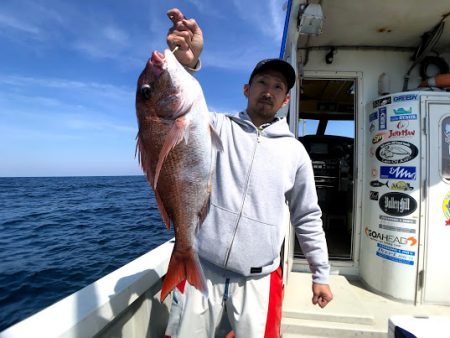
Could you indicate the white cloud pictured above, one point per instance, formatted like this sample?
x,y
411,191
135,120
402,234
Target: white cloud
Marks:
x,y
10,22
34,83
31,102
268,16
90,124
109,42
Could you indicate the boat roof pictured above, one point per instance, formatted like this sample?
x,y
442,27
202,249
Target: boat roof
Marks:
x,y
377,23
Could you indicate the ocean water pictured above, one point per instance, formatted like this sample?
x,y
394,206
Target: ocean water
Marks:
x,y
59,234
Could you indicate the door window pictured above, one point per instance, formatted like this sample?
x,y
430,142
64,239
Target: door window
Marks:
x,y
445,146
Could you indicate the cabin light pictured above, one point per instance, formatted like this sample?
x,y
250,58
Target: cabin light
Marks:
x,y
311,19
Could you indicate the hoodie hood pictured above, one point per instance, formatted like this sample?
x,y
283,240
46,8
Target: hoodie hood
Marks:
x,y
278,128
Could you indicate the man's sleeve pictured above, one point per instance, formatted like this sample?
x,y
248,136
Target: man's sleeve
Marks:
x,y
306,219
197,67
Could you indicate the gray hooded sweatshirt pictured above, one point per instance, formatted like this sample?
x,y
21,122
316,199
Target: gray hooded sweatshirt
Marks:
x,y
263,177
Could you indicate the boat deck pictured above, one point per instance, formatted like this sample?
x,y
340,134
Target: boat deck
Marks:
x,y
354,311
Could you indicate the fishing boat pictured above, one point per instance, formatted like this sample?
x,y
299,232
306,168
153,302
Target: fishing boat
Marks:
x,y
372,107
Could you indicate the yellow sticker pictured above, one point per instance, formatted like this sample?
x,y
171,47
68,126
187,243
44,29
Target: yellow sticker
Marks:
x,y
446,208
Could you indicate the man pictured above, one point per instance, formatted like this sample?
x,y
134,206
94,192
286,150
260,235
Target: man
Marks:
x,y
263,176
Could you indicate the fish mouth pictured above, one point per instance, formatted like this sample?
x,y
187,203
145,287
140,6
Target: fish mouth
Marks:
x,y
157,63
157,58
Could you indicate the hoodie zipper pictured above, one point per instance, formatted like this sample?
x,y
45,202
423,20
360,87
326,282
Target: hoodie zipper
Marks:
x,y
247,180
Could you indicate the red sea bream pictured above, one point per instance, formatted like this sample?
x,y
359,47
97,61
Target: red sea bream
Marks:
x,y
176,145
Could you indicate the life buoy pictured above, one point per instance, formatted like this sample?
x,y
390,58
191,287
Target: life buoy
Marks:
x,y
432,66
440,81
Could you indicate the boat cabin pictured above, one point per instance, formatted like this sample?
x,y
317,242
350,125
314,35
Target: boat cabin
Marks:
x,y
374,123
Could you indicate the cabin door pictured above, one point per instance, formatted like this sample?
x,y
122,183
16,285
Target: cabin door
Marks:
x,y
437,228
327,131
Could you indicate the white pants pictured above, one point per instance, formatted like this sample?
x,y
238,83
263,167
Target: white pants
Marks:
x,y
242,302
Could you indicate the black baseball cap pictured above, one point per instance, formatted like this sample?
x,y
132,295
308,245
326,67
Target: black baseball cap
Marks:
x,y
276,64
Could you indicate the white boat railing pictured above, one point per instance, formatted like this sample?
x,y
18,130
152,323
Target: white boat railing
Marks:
x,y
124,303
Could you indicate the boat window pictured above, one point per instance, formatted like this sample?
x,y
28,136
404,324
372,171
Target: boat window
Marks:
x,y
327,107
339,128
445,146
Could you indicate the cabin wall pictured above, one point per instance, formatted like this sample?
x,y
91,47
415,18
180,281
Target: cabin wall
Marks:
x,y
367,65
371,64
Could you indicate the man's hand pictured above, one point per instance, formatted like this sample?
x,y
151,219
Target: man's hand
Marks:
x,y
187,35
322,294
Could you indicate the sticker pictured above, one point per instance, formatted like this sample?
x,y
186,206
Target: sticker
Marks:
x,y
398,185
396,228
401,185
397,220
378,137
374,172
397,204
399,173
407,97
446,208
396,152
401,133
382,118
373,116
374,195
402,125
382,102
404,117
391,239
402,111
377,184
395,255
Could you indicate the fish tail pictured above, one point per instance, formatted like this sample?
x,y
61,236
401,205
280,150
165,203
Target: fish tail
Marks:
x,y
184,265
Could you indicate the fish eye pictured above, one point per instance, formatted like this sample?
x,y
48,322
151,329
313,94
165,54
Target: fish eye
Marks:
x,y
146,91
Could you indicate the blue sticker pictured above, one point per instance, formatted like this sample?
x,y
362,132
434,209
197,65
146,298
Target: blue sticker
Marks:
x,y
400,173
382,117
404,117
395,255
400,251
373,116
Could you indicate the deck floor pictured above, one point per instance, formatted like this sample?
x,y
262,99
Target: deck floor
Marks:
x,y
354,311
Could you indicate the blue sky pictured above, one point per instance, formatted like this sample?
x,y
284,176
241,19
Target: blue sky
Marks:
x,y
68,71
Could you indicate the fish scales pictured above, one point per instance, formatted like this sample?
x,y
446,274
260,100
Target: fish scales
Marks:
x,y
176,145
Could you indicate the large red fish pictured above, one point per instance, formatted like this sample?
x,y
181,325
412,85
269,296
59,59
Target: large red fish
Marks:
x,y
176,145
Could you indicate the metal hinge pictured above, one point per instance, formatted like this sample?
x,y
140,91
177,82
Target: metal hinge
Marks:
x,y
425,125
421,278
424,189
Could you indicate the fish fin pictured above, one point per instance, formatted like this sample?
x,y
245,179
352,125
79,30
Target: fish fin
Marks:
x,y
162,210
176,134
140,152
143,159
215,138
184,265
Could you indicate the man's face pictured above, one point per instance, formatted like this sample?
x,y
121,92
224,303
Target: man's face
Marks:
x,y
266,94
